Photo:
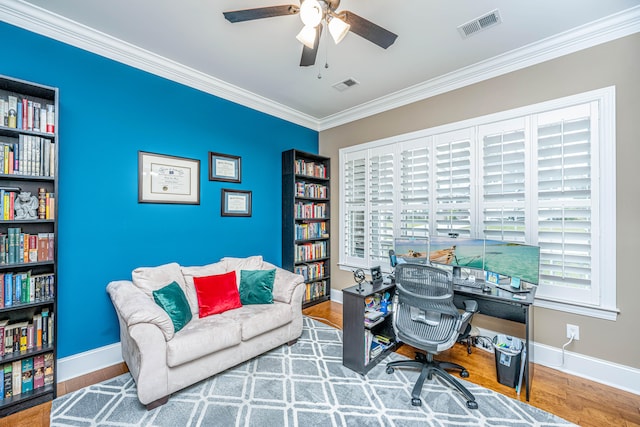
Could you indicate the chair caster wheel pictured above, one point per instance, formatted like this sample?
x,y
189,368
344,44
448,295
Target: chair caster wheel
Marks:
x,y
468,350
464,373
472,404
418,402
390,370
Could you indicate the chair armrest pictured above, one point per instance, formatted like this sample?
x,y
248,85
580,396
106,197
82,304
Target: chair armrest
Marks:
x,y
470,306
285,283
134,307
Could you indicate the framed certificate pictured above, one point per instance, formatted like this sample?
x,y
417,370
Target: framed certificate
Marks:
x,y
236,202
224,167
168,179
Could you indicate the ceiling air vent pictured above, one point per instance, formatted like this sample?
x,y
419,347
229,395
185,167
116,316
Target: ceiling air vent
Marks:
x,y
483,22
344,85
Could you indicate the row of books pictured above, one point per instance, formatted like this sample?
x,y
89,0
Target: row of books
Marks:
x,y
374,345
316,191
29,374
12,208
311,251
304,167
315,290
310,210
311,271
313,230
31,156
20,112
25,288
29,334
18,248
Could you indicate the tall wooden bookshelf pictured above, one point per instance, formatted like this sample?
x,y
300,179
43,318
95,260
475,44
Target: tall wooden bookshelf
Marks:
x,y
306,221
28,243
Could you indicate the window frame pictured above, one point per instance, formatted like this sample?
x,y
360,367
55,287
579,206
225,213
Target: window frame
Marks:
x,y
601,301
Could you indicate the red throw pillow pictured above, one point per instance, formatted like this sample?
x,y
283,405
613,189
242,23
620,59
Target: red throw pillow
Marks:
x,y
217,294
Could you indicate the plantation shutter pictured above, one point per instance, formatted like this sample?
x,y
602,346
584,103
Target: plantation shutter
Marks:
x,y
453,197
414,190
354,176
381,194
503,180
565,185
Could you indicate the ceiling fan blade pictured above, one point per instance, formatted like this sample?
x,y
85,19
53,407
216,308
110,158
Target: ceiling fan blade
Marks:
x,y
368,30
261,12
309,55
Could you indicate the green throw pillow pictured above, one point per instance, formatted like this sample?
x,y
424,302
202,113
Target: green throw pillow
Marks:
x,y
172,300
256,286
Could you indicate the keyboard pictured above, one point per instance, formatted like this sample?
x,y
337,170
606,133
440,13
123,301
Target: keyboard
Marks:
x,y
459,281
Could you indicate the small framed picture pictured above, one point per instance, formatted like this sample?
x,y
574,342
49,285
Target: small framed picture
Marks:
x,y
235,202
224,167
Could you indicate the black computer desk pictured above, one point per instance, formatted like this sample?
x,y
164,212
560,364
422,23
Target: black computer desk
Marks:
x,y
501,304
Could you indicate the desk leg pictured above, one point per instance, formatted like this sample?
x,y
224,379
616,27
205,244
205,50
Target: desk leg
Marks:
x,y
528,351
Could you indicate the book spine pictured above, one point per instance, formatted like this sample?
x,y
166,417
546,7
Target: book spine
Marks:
x,y
8,379
12,120
42,203
27,374
38,371
51,242
51,119
48,369
45,325
16,381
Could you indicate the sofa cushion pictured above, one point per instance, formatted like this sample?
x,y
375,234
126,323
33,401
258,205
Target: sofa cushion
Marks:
x,y
172,300
238,264
217,293
150,279
202,337
256,286
256,319
199,271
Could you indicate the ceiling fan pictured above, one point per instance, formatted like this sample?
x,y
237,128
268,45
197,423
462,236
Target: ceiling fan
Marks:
x,y
315,14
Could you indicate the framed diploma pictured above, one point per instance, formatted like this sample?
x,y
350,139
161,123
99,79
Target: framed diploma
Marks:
x,y
168,179
224,167
236,202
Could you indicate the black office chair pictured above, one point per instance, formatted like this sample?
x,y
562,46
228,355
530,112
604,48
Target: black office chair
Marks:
x,y
426,318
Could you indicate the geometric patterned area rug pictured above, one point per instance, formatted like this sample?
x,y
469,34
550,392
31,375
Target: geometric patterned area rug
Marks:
x,y
300,385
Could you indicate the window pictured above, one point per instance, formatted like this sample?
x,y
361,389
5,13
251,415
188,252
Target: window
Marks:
x,y
542,175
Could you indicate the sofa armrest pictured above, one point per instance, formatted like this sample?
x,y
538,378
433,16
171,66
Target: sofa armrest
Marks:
x,y
134,307
285,283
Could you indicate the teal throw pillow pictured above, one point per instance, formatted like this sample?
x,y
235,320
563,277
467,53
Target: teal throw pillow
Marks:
x,y
256,286
172,300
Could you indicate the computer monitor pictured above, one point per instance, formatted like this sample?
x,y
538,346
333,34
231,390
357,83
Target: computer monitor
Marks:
x,y
413,250
457,253
515,260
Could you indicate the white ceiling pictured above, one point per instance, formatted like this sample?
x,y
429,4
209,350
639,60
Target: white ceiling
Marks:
x,y
256,63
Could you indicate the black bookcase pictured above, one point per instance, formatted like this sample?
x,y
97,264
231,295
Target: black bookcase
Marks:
x,y
355,349
306,224
29,153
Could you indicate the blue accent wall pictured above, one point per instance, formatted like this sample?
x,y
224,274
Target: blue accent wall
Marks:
x,y
107,113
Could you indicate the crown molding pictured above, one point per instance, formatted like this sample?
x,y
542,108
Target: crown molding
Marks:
x,y
604,30
45,23
40,21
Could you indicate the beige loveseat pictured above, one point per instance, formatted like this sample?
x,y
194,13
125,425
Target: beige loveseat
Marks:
x,y
162,361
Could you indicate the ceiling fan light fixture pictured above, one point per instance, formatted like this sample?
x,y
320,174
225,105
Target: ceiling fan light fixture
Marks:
x,y
338,29
311,13
307,36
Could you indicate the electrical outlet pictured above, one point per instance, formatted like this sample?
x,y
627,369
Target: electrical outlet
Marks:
x,y
573,330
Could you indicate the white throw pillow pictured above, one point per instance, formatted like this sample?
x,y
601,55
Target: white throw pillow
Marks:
x,y
150,279
238,264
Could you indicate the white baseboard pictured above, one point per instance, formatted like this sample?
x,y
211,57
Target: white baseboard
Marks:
x,y
612,374
89,361
609,373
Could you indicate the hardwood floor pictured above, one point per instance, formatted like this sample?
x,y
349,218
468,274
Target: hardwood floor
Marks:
x,y
584,402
